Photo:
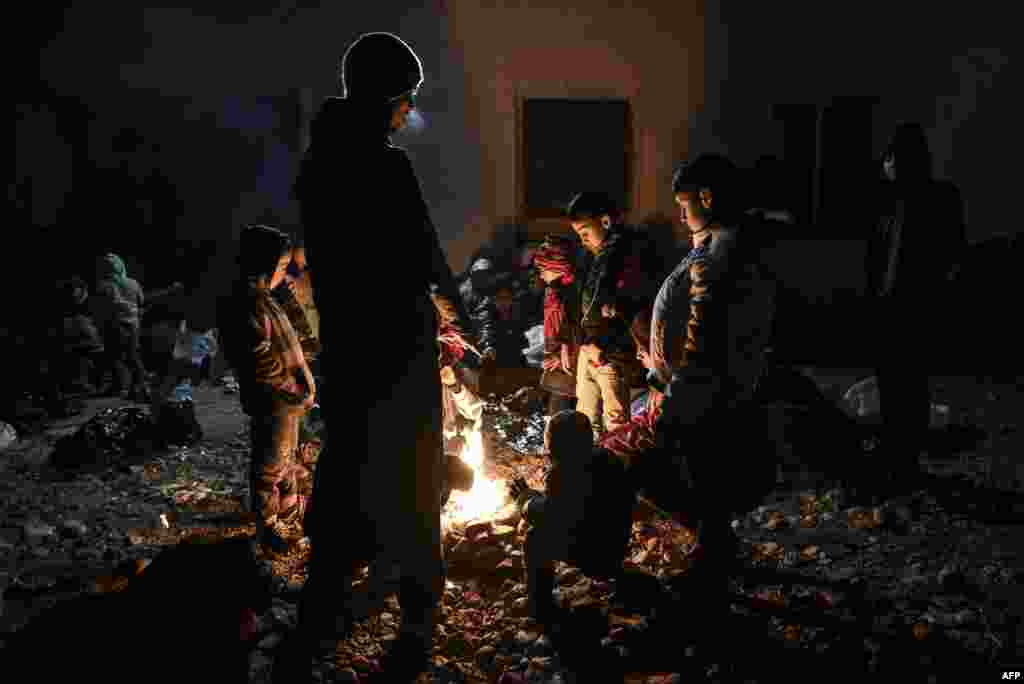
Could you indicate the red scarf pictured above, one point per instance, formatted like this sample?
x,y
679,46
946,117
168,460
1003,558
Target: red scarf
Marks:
x,y
450,353
554,314
551,260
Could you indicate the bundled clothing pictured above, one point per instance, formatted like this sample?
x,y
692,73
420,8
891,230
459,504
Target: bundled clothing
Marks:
x,y
119,301
561,318
265,352
619,275
713,314
636,437
502,337
561,315
121,297
297,316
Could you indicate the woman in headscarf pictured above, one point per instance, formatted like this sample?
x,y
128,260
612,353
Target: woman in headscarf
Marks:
x,y
119,302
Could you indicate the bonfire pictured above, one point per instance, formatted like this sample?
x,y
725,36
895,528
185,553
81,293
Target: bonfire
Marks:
x,y
486,498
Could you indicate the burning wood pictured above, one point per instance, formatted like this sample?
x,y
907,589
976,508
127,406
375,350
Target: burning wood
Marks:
x,y
485,499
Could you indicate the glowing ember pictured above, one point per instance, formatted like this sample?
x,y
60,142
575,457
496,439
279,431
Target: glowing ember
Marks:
x,y
485,499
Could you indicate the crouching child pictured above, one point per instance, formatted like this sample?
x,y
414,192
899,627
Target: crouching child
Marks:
x,y
585,516
276,385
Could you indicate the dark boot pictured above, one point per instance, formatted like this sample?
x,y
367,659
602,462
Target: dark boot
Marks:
x,y
271,539
410,655
407,659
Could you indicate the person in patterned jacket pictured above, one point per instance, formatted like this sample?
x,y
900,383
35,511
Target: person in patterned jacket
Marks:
x,y
276,385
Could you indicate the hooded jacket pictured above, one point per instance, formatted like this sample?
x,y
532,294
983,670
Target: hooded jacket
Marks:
x,y
358,190
264,350
119,298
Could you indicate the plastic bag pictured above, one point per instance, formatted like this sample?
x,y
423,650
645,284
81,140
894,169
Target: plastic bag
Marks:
x,y
8,435
182,343
863,399
535,352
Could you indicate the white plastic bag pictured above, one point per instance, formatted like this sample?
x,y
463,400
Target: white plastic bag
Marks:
x,y
535,352
862,399
8,435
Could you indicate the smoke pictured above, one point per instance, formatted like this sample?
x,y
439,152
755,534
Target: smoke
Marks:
x,y
415,123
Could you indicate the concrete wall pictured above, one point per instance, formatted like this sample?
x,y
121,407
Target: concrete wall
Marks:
x,y
650,53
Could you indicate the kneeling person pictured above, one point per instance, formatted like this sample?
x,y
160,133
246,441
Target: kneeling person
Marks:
x,y
584,518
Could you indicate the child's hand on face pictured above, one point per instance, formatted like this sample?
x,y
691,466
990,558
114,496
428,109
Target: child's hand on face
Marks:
x,y
517,487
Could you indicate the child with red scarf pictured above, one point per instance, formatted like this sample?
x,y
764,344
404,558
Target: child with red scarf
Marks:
x,y
554,265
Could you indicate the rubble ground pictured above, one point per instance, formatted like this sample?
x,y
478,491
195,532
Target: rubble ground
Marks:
x,y
929,584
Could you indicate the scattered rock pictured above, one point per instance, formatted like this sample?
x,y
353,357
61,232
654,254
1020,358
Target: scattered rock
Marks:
x,y
271,641
74,528
485,657
541,647
36,532
569,576
347,674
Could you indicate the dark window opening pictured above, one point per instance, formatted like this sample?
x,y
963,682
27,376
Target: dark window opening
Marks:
x,y
573,145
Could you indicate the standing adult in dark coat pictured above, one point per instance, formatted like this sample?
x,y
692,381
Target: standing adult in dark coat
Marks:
x,y
377,494
918,239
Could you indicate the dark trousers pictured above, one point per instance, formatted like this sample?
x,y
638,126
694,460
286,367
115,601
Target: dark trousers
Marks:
x,y
906,410
122,356
703,429
559,402
344,540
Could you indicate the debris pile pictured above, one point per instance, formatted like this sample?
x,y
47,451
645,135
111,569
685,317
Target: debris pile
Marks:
x,y
111,437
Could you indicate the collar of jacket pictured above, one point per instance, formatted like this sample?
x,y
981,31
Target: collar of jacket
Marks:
x,y
699,238
614,235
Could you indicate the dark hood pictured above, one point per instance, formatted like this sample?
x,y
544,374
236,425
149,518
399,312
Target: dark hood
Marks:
x,y
340,119
339,131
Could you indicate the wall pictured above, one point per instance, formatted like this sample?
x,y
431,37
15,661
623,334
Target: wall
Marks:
x,y
217,86
648,52
916,59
